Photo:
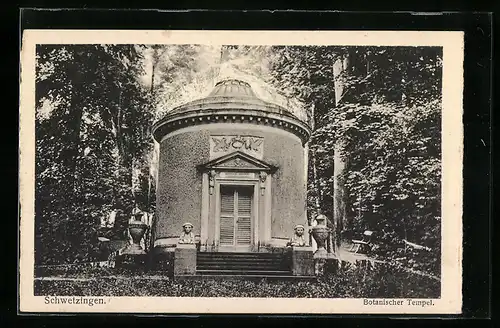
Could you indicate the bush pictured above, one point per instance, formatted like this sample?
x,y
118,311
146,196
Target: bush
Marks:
x,y
381,282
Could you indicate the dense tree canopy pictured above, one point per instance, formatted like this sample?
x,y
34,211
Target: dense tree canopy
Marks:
x,y
92,119
383,106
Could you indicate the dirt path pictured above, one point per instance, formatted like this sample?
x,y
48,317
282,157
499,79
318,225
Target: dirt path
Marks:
x,y
351,257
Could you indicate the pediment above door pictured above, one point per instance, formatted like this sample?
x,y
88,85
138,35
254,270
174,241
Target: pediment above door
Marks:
x,y
238,161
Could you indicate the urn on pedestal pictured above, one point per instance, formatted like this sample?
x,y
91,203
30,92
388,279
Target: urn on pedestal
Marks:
x,y
320,233
137,228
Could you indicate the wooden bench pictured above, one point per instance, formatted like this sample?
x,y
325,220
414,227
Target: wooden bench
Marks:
x,y
364,244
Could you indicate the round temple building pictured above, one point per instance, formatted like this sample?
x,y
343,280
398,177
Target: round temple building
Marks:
x,y
235,167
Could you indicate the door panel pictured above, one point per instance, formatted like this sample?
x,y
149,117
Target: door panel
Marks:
x,y
244,232
227,217
236,216
227,201
227,231
244,217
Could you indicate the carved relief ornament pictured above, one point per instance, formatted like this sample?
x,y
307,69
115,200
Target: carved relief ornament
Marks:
x,y
262,178
226,144
211,181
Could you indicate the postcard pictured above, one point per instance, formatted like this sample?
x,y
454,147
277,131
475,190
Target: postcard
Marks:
x,y
267,172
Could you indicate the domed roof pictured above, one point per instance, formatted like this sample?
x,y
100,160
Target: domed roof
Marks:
x,y
231,93
231,101
232,88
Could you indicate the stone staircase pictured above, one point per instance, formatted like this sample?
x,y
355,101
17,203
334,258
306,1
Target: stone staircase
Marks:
x,y
243,264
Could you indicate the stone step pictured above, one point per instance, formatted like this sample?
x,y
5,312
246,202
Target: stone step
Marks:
x,y
243,260
250,255
255,277
243,263
246,264
244,272
241,267
241,255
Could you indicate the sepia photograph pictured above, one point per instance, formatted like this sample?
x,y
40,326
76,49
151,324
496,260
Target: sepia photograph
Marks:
x,y
225,169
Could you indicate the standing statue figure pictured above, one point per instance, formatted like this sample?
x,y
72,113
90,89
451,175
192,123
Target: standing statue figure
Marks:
x,y
298,237
187,236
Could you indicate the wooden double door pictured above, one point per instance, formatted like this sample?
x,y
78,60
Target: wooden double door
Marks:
x,y
236,217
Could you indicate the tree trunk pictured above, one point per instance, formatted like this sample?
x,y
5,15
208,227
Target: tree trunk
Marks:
x,y
340,68
151,89
319,195
124,195
76,106
148,200
338,194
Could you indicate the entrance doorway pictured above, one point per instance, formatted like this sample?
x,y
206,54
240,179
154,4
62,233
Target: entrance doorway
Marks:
x,y
236,216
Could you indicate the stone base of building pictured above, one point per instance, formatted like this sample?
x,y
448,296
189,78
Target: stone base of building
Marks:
x,y
181,259
302,261
256,249
275,245
185,260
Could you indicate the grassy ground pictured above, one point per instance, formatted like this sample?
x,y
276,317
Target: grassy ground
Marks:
x,y
381,282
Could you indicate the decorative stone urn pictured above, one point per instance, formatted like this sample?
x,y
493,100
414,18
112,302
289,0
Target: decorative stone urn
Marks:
x,y
137,228
320,233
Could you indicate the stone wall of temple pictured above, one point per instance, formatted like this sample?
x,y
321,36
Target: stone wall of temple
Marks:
x,y
180,183
178,197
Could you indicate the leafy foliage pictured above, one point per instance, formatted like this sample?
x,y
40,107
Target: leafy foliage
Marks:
x,y
383,107
383,282
92,125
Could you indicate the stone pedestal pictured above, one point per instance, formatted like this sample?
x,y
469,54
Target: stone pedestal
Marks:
x,y
136,262
320,259
185,260
162,259
302,261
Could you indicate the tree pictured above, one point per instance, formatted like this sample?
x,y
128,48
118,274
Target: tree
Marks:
x,y
383,104
305,73
180,73
91,115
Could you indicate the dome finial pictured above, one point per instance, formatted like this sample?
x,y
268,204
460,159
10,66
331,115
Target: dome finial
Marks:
x,y
232,87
